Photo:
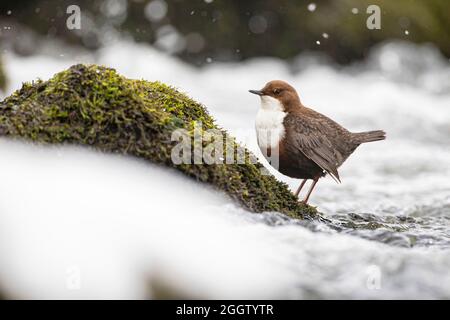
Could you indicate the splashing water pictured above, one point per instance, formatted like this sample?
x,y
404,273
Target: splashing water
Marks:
x,y
388,234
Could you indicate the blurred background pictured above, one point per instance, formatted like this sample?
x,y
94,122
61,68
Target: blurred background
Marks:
x,y
227,30
395,78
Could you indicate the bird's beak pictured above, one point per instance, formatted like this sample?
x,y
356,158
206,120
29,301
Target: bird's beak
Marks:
x,y
259,93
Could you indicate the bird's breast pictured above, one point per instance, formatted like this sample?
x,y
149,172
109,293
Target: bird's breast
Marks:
x,y
270,128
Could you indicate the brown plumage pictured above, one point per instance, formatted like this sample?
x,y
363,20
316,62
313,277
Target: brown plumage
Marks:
x,y
310,145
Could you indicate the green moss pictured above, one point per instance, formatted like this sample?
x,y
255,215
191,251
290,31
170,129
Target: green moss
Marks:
x,y
94,106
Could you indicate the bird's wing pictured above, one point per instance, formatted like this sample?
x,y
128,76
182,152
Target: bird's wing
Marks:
x,y
310,137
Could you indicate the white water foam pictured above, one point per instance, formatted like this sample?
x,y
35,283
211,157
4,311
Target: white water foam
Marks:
x,y
124,225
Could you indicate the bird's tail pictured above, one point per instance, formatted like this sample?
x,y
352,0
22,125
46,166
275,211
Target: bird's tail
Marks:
x,y
369,136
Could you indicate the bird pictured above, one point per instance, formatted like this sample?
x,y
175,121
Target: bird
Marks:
x,y
300,142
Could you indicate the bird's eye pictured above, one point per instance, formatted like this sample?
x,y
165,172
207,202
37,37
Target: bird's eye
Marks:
x,y
276,91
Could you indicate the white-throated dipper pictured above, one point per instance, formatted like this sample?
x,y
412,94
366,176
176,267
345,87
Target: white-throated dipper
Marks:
x,y
309,145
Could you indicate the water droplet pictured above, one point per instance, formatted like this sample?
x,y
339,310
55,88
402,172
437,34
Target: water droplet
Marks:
x,y
194,42
155,10
257,24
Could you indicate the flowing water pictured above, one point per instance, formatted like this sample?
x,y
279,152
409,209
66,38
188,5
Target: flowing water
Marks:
x,y
388,234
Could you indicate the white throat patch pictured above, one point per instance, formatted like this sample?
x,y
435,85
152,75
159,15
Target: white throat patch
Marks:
x,y
269,122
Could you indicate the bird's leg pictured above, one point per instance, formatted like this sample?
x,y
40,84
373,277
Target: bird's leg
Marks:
x,y
310,190
300,188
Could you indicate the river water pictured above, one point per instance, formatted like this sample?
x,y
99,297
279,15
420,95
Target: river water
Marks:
x,y
389,230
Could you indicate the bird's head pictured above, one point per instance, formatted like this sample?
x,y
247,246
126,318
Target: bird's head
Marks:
x,y
278,94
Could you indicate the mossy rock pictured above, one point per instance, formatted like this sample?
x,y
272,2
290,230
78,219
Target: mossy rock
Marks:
x,y
95,106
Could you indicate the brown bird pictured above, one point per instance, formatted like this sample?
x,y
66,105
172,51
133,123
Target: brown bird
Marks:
x,y
300,142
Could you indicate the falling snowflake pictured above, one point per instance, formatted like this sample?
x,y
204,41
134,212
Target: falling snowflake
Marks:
x,y
325,35
318,42
355,10
208,59
406,32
